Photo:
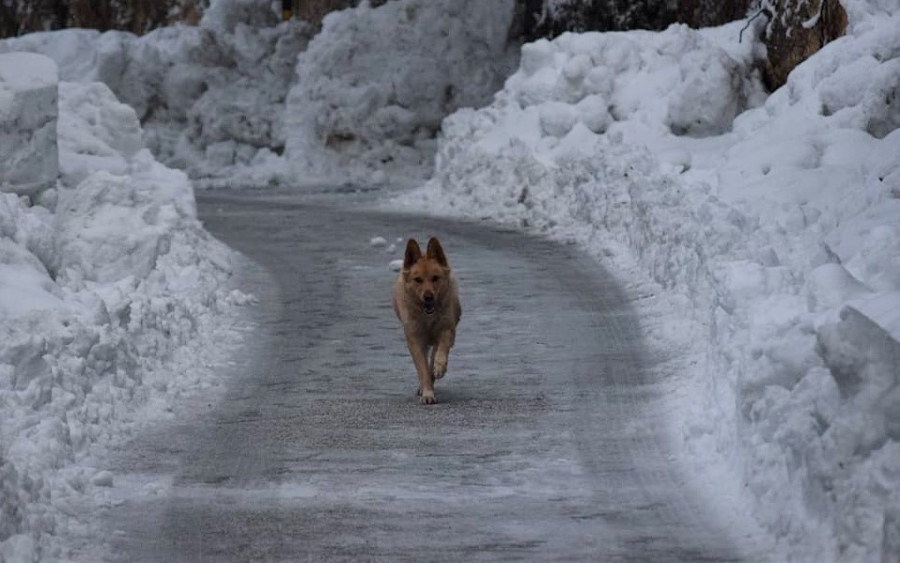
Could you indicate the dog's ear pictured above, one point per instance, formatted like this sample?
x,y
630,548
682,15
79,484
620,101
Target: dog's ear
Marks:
x,y
436,252
413,253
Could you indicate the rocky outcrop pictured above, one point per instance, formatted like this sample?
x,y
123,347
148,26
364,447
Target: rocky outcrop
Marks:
x,y
797,29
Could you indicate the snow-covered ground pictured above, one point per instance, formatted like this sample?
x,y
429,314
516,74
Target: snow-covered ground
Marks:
x,y
113,302
759,233
769,229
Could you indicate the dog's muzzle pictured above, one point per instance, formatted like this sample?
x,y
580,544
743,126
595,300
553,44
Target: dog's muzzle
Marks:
x,y
429,303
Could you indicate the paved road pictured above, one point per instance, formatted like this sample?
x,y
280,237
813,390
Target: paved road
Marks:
x,y
544,446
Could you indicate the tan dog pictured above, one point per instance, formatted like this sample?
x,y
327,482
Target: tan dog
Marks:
x,y
427,303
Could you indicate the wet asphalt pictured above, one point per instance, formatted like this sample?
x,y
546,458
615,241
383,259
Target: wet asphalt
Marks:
x,y
546,444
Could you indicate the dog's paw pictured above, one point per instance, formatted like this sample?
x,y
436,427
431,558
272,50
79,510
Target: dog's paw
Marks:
x,y
440,369
427,397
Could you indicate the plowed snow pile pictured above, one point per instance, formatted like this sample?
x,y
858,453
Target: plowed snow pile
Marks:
x,y
112,298
769,227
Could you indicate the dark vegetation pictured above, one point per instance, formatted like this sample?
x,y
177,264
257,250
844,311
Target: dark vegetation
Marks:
x,y
544,18
18,17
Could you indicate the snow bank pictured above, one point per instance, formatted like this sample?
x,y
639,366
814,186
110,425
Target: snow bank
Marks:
x,y
211,98
370,94
375,83
770,226
28,156
105,281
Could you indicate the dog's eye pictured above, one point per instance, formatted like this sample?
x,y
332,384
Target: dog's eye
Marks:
x,y
435,279
417,280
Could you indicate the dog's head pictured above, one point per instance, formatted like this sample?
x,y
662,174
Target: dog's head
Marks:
x,y
426,276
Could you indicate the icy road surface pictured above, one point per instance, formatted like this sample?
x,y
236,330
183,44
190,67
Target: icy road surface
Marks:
x,y
546,444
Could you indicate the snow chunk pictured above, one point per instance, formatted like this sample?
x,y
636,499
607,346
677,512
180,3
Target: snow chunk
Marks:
x,y
557,118
101,238
831,285
25,285
20,547
96,131
594,113
28,113
102,479
869,262
709,95
25,72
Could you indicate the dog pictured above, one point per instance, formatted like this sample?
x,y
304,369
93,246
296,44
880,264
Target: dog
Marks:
x,y
427,303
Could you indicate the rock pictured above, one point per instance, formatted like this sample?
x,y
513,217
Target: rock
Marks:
x,y
797,29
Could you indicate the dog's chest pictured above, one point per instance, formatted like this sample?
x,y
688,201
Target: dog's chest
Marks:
x,y
430,326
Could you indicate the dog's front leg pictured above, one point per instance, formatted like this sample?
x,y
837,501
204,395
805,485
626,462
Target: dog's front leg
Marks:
x,y
420,360
442,354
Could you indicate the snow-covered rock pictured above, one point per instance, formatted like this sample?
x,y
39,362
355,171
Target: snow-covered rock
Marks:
x,y
28,113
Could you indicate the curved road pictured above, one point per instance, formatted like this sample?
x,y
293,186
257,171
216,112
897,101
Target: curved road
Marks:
x,y
544,446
